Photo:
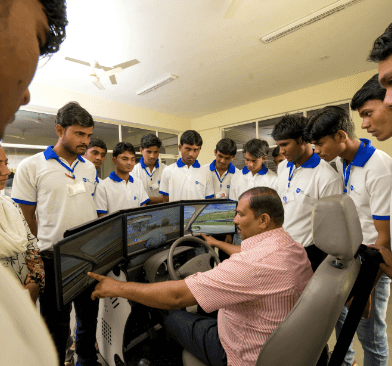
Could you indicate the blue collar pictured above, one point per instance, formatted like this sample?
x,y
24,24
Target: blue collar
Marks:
x,y
96,178
231,169
312,162
364,153
262,171
180,164
50,154
116,178
145,166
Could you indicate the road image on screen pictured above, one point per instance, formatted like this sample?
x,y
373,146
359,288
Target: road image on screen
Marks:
x,y
153,228
213,218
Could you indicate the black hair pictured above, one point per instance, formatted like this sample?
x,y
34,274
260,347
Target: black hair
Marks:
x,y
191,137
123,146
227,147
149,140
276,152
382,47
257,148
73,113
327,122
371,90
96,142
289,127
265,200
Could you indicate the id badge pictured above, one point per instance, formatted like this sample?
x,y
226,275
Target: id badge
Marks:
x,y
153,187
75,189
288,197
221,194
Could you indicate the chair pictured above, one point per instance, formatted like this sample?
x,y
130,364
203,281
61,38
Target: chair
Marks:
x,y
300,339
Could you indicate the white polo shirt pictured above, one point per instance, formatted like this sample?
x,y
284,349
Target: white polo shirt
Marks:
x,y
151,180
182,183
368,181
62,193
114,194
222,183
300,188
246,180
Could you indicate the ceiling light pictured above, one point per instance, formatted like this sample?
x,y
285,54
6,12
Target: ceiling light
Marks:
x,y
310,19
157,85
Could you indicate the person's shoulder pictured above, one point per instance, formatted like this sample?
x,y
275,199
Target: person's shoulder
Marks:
x,y
271,173
326,171
170,167
380,162
162,165
36,159
282,166
136,180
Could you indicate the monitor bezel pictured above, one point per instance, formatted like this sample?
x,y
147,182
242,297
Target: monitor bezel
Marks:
x,y
57,260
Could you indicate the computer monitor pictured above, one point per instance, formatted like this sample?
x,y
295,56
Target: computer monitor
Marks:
x,y
211,217
97,249
150,228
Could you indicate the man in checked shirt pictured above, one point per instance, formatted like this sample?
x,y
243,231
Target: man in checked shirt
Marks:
x,y
254,289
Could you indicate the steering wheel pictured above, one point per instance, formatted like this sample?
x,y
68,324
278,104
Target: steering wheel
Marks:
x,y
200,263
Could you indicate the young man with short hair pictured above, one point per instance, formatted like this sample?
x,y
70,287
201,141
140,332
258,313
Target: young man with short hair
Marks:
x,y
56,186
120,190
149,169
277,156
303,178
187,179
96,153
255,173
367,176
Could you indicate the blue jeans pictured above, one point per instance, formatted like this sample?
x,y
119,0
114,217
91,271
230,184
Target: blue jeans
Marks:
x,y
198,334
371,332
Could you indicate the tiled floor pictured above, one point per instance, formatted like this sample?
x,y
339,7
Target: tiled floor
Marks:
x,y
357,345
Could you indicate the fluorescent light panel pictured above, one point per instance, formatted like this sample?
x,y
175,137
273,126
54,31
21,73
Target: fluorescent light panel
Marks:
x,y
157,85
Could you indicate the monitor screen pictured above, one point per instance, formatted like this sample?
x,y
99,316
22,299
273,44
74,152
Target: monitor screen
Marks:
x,y
152,228
209,218
98,249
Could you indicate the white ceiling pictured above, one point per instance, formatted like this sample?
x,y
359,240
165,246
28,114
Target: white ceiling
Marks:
x,y
221,63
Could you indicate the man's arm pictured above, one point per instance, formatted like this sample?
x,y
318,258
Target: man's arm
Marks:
x,y
221,245
387,256
154,200
162,295
165,198
29,214
383,240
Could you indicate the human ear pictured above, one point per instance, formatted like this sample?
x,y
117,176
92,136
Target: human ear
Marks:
x,y
60,130
264,221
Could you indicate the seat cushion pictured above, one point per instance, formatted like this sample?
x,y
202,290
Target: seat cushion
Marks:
x,y
189,360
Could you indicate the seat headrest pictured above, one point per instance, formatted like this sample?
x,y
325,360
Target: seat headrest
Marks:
x,y
336,228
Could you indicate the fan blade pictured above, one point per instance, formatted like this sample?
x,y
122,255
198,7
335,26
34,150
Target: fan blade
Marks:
x,y
111,72
78,61
98,85
233,8
127,64
113,79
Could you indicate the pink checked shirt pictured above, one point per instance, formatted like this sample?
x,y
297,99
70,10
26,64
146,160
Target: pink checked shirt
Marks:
x,y
254,290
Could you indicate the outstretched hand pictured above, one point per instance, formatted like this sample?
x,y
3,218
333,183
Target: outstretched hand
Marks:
x,y
106,287
212,242
387,256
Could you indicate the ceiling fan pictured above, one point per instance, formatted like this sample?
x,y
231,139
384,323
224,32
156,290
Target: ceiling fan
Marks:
x,y
32,119
109,71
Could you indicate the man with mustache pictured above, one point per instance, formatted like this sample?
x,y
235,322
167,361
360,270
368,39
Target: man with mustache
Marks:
x,y
55,190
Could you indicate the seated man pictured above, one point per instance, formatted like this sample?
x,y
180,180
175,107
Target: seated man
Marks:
x,y
254,289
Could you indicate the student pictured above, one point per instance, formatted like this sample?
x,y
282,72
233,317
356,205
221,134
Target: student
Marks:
x,y
222,169
149,169
367,176
57,186
120,190
255,173
278,157
302,180
187,179
96,153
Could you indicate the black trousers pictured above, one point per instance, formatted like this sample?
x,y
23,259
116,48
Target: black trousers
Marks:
x,y
58,321
315,255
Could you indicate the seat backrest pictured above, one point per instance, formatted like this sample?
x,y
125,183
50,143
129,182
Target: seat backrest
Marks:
x,y
301,337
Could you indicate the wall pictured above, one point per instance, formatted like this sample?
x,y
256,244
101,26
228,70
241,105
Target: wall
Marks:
x,y
331,92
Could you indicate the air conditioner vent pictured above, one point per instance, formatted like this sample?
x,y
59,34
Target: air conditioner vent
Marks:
x,y
310,19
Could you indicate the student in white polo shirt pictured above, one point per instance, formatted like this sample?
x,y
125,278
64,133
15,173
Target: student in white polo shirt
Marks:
x,y
367,176
277,156
57,186
187,179
303,178
120,190
255,173
149,169
96,153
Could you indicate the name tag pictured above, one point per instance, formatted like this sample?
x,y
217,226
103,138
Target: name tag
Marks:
x,y
153,187
76,188
288,197
220,195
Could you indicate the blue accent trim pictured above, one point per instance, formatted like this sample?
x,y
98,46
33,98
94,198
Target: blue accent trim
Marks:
x,y
115,177
180,164
312,162
211,196
131,178
164,193
381,218
262,171
50,154
364,153
92,194
27,203
96,178
245,170
145,166
231,169
212,166
144,202
99,211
